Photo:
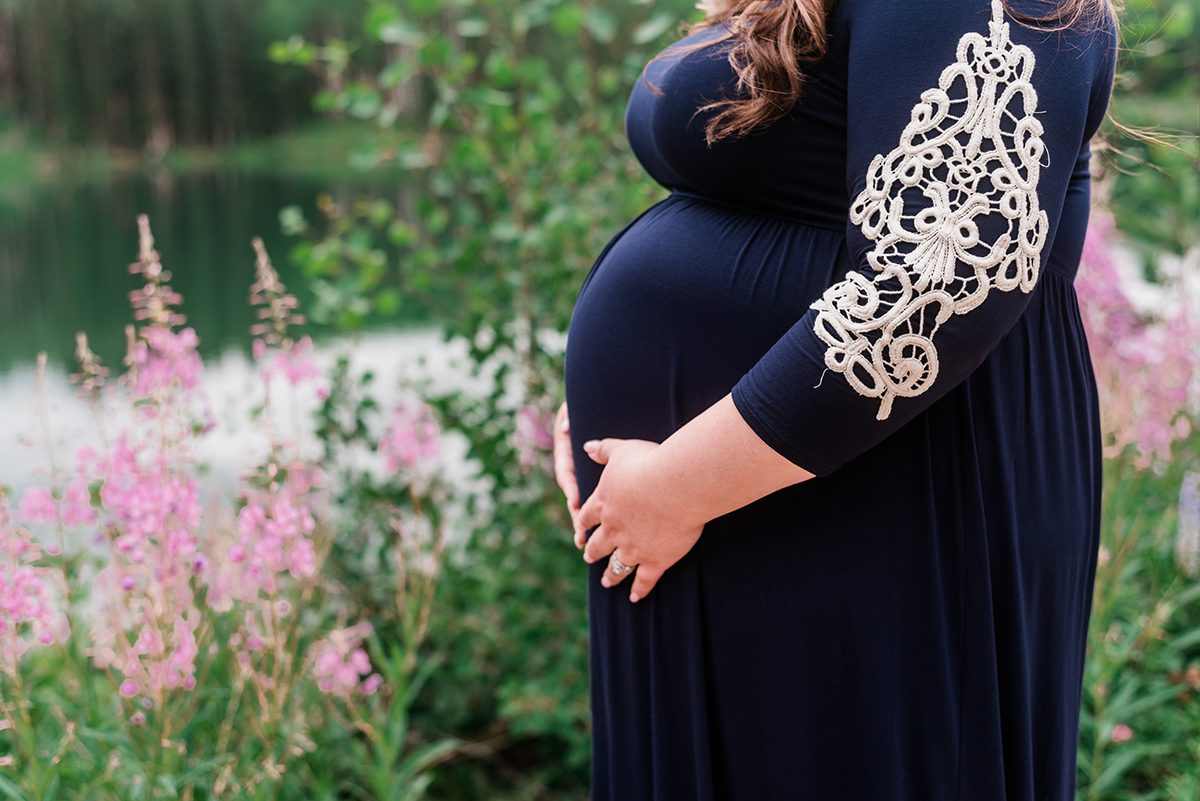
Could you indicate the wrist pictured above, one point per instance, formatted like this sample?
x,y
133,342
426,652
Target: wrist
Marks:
x,y
675,484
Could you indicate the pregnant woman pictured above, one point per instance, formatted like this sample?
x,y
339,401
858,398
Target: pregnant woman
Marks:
x,y
832,418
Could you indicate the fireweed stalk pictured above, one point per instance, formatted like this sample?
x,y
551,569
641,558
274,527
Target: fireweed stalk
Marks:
x,y
36,596
268,573
146,629
398,768
32,596
265,569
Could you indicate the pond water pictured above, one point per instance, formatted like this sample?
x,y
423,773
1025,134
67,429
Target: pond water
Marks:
x,y
65,249
64,255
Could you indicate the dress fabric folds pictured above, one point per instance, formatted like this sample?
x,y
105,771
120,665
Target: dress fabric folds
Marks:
x,y
883,278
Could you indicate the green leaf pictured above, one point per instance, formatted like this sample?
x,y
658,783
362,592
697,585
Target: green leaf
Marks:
x,y
11,790
653,28
601,25
472,27
401,234
365,101
396,73
434,52
294,50
388,301
324,100
568,19
291,220
400,32
425,8
364,158
427,756
495,97
378,17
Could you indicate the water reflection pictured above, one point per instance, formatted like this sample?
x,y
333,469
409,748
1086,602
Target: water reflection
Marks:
x,y
65,248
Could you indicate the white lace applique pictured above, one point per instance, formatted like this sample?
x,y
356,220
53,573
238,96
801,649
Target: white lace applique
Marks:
x,y
971,151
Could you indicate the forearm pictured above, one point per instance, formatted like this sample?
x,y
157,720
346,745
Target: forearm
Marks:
x,y
716,463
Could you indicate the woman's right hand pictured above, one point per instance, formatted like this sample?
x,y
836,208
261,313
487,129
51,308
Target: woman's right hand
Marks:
x,y
564,469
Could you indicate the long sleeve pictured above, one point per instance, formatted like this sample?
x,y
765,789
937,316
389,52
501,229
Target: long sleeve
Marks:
x,y
964,130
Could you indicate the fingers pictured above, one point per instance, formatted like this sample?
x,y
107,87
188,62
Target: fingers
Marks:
x,y
589,513
599,449
564,464
564,474
599,545
580,532
561,420
564,470
645,577
611,577
643,581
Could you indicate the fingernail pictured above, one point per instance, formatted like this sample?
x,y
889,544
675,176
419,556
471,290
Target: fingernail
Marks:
x,y
587,558
591,444
604,580
566,424
633,596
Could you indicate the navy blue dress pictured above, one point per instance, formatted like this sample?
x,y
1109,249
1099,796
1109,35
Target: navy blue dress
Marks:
x,y
883,280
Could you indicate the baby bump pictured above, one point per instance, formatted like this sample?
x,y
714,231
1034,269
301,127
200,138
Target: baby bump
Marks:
x,y
681,303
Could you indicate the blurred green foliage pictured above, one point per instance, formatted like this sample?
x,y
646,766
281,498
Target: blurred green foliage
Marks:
x,y
1143,667
1156,191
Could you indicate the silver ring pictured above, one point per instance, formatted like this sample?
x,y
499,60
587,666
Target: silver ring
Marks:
x,y
618,567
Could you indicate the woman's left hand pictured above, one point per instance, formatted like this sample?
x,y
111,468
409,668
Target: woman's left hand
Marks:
x,y
634,522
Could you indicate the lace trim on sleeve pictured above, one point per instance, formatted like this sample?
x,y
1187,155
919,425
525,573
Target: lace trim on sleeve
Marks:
x,y
971,151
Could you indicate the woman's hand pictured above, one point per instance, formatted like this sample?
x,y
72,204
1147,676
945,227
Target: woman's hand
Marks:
x,y
564,469
634,521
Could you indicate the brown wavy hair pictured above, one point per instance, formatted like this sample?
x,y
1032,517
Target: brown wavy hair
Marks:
x,y
775,37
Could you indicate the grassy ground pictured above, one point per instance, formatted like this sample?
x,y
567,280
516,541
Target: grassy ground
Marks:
x,y
327,149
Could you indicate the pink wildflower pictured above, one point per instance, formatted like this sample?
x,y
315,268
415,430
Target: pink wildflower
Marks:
x,y
164,359
1121,733
340,664
272,538
77,505
146,621
1147,369
370,684
533,437
29,592
412,436
294,362
274,349
37,506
